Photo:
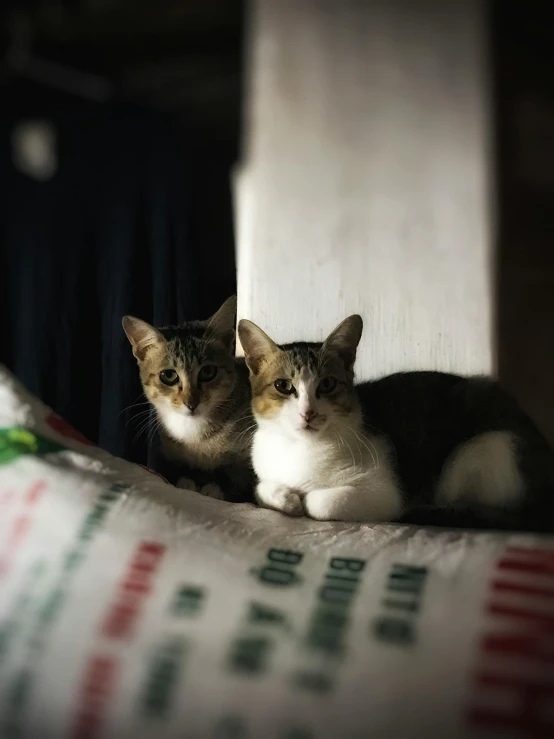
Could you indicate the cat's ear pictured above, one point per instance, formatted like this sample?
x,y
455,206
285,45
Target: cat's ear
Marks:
x,y
344,339
141,335
256,344
222,324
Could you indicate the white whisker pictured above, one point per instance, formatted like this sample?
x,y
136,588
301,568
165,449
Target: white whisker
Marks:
x,y
133,405
372,451
351,452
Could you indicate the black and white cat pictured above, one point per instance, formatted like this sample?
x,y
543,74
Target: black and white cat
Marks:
x,y
405,446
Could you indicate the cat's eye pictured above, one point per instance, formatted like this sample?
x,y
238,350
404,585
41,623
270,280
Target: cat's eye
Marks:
x,y
284,386
327,385
169,377
207,373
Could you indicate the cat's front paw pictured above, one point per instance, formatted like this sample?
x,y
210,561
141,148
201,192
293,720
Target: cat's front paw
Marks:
x,y
279,498
185,483
348,503
330,504
211,490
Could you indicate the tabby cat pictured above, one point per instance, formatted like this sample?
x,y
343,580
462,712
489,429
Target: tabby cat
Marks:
x,y
201,396
404,447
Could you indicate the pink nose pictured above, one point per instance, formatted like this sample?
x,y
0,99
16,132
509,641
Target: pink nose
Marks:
x,y
309,416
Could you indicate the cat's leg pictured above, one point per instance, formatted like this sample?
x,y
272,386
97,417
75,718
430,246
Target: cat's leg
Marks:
x,y
185,483
212,490
483,470
350,503
279,498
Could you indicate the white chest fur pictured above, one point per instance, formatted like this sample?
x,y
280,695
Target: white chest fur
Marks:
x,y
183,428
307,462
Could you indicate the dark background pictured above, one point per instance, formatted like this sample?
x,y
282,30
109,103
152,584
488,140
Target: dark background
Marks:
x,y
523,63
138,218
176,70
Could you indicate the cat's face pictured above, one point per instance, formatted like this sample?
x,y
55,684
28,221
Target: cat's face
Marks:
x,y
187,371
303,388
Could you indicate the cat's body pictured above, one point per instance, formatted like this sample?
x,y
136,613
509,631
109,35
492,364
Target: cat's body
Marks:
x,y
201,396
404,446
429,416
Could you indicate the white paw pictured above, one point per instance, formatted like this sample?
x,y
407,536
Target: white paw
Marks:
x,y
322,505
186,484
346,503
211,490
279,498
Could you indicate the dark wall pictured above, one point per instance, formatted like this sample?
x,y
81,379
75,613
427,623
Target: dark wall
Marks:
x,y
136,217
523,45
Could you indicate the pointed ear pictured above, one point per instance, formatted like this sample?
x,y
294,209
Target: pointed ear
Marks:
x,y
141,335
344,339
256,344
222,324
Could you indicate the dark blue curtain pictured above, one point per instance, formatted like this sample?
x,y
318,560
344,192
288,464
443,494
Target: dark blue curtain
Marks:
x,y
132,221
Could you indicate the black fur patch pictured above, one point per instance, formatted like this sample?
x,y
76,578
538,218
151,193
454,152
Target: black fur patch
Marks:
x,y
427,415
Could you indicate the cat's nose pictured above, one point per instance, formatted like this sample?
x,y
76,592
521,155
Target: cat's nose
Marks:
x,y
191,404
309,415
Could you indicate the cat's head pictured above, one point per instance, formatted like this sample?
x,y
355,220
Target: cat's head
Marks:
x,y
306,388
189,370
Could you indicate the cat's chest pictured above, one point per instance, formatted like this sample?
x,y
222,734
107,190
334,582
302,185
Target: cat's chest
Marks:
x,y
183,429
299,464
186,440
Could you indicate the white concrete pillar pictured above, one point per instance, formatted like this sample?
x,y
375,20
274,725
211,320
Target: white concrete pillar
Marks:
x,y
365,184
